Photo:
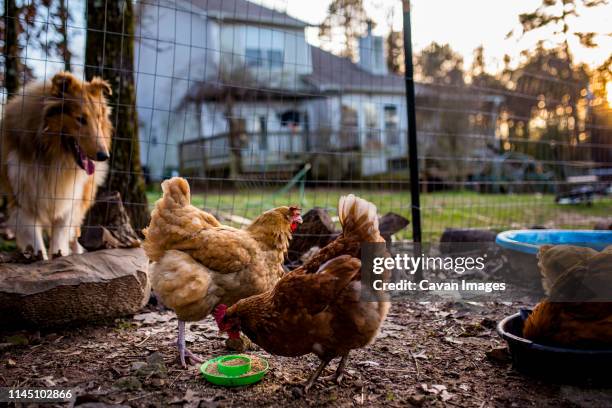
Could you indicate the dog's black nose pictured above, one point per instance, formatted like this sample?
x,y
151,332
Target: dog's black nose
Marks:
x,y
102,156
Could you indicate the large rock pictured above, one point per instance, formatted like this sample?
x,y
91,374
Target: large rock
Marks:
x,y
317,230
75,289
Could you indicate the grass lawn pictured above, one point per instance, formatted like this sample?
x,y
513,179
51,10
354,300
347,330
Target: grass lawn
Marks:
x,y
439,210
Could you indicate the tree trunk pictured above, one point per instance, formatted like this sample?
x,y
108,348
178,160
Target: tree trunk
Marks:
x,y
110,54
12,61
64,15
11,53
109,225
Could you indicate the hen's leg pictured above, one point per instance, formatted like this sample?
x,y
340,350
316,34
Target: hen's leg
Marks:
x,y
315,375
339,374
184,354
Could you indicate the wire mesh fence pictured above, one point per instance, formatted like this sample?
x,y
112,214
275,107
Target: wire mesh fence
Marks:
x,y
256,111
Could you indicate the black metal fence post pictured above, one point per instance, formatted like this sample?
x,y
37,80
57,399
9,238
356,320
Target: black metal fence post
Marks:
x,y
413,159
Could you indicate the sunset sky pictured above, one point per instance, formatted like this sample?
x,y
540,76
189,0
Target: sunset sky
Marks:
x,y
466,24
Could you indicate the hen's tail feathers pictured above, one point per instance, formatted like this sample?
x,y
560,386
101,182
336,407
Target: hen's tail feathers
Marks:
x,y
174,219
176,192
359,216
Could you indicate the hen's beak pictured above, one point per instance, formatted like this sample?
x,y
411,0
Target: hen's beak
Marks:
x,y
298,219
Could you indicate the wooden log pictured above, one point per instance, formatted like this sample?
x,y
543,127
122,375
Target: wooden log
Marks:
x,y
74,289
603,225
108,225
458,241
237,219
317,229
98,237
468,235
391,223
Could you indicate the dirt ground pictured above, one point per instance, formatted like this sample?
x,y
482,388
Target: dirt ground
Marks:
x,y
426,355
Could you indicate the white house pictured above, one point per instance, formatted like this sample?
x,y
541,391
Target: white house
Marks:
x,y
182,44
176,46
222,76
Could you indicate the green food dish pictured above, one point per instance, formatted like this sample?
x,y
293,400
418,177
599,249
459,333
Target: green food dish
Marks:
x,y
234,366
249,377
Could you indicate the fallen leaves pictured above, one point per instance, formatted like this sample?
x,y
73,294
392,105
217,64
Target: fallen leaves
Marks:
x,y
439,390
368,363
419,346
452,340
128,383
499,355
154,317
421,354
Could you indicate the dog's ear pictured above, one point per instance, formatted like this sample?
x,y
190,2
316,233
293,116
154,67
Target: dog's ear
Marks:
x,y
64,83
100,86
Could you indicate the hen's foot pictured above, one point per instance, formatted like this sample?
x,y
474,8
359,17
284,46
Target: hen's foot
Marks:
x,y
338,376
185,356
313,378
335,378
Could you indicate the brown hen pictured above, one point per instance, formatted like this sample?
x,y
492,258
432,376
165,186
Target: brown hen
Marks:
x,y
577,312
199,263
317,308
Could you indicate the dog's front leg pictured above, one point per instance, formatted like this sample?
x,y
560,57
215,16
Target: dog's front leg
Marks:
x,y
28,232
75,247
60,238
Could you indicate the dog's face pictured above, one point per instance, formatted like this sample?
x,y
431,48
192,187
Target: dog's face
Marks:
x,y
76,116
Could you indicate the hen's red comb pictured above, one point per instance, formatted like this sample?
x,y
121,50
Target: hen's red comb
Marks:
x,y
219,312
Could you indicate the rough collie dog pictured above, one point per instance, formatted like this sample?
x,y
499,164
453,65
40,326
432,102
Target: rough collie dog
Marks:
x,y
56,138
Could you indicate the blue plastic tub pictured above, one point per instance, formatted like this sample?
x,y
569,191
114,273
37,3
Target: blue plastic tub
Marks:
x,y
520,248
529,241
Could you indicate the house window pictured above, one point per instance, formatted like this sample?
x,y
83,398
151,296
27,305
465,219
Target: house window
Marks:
x,y
263,133
377,52
290,118
154,137
264,47
256,57
371,125
349,127
253,57
391,125
275,58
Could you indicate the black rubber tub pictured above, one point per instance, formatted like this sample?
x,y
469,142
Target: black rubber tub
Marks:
x,y
556,364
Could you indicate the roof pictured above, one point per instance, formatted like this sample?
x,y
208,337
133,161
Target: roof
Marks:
x,y
245,11
333,73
